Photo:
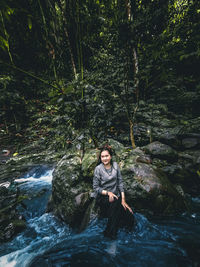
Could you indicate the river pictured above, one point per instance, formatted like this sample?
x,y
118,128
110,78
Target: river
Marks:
x,y
156,241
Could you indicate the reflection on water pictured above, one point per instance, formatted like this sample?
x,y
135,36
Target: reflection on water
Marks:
x,y
157,241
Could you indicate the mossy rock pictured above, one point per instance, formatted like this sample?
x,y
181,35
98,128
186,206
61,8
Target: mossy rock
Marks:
x,y
149,188
146,187
161,151
89,162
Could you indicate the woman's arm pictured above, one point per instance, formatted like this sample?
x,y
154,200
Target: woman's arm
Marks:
x,y
124,204
109,194
121,188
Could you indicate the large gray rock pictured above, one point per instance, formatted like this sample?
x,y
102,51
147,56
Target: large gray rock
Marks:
x,y
184,171
166,127
162,151
89,163
70,189
149,189
146,187
170,138
191,142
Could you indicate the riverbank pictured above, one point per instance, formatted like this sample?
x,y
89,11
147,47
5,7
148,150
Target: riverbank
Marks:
x,y
166,241
167,143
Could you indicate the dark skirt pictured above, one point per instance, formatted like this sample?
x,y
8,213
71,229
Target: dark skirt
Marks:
x,y
117,216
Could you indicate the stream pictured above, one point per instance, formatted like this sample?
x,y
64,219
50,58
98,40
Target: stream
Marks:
x,y
156,241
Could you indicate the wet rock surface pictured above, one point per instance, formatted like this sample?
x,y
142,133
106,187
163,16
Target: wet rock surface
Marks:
x,y
158,174
147,187
11,222
11,168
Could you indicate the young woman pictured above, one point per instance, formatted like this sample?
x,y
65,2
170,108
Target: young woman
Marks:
x,y
110,197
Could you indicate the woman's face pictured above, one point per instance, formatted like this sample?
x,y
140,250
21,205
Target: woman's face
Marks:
x,y
105,157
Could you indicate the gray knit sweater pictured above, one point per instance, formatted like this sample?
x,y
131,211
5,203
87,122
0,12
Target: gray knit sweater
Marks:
x,y
108,179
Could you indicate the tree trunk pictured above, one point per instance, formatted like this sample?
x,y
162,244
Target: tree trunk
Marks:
x,y
135,64
62,7
70,50
131,133
136,80
78,42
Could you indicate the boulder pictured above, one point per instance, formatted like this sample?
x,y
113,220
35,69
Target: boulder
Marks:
x,y
168,137
147,188
161,151
190,142
190,127
70,189
184,171
89,163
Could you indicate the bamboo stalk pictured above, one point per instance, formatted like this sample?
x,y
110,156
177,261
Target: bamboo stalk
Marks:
x,y
48,41
136,69
62,7
6,35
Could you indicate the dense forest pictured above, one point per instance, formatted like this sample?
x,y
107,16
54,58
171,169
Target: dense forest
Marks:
x,y
79,74
85,66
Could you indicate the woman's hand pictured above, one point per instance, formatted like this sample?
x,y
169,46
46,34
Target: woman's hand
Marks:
x,y
112,196
126,206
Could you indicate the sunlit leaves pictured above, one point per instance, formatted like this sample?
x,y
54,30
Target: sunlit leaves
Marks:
x,y
3,43
176,39
29,22
10,11
179,9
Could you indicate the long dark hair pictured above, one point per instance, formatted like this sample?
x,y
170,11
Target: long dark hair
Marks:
x,y
108,148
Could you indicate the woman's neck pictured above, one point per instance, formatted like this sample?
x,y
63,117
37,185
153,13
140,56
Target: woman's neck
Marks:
x,y
108,166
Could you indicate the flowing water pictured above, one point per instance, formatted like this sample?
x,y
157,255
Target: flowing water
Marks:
x,y
156,241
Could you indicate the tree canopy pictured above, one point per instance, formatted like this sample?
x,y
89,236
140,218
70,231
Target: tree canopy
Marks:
x,y
89,63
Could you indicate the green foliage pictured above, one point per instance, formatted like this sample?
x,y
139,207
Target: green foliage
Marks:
x,y
3,43
11,103
85,50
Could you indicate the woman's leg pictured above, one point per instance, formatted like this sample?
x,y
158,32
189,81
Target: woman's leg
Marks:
x,y
103,203
127,219
117,216
114,214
